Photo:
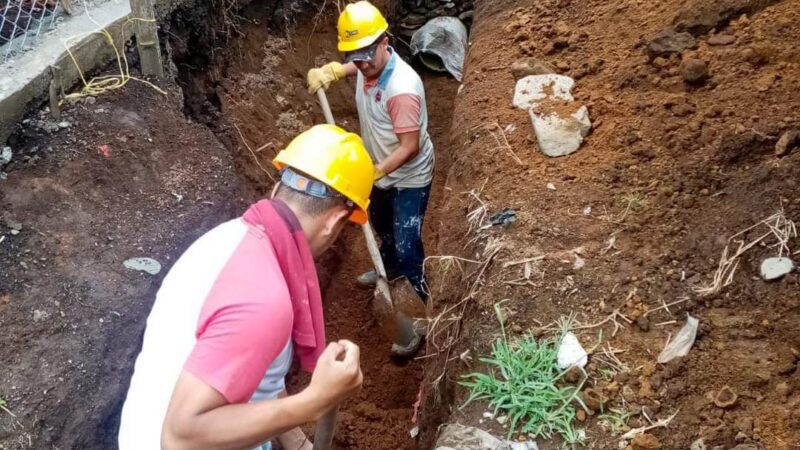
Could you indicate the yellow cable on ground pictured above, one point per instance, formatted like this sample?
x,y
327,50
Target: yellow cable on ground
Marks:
x,y
105,83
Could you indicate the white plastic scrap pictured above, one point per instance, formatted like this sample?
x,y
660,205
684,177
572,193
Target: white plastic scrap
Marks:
x,y
571,353
455,436
776,267
531,89
148,265
682,343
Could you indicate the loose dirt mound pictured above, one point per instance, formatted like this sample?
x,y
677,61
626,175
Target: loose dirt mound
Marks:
x,y
671,170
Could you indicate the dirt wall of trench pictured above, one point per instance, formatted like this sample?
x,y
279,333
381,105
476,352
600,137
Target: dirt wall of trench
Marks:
x,y
698,161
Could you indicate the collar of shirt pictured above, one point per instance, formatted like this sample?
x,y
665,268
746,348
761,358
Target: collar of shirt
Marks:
x,y
383,79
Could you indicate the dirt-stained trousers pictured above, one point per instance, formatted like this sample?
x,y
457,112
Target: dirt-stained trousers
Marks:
x,y
397,215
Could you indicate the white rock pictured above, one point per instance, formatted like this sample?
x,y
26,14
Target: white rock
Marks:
x,y
557,135
550,186
502,419
775,267
571,353
531,89
39,315
148,265
64,124
5,156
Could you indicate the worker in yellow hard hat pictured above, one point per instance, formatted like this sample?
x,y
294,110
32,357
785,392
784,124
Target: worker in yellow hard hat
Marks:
x,y
390,98
241,302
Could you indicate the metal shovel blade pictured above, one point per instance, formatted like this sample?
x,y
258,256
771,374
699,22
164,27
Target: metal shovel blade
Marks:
x,y
400,313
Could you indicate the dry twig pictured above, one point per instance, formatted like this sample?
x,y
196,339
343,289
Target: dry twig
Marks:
x,y
644,429
779,227
255,158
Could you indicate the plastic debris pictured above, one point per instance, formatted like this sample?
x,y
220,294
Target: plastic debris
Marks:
x,y
504,217
148,265
560,135
558,131
455,436
776,267
104,150
682,343
571,353
441,45
530,90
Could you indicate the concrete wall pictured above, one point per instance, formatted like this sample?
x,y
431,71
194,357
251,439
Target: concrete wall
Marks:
x,y
25,79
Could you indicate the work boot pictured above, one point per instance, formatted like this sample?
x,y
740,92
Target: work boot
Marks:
x,y
368,280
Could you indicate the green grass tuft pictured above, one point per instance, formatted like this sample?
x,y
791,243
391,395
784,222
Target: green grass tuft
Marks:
x,y
522,384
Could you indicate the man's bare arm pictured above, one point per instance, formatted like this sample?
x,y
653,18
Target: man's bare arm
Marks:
x,y
408,149
200,417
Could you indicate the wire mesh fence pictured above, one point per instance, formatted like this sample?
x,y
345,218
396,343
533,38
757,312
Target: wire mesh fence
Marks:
x,y
21,23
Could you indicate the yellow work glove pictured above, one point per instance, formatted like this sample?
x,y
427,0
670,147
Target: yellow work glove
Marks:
x,y
322,77
378,173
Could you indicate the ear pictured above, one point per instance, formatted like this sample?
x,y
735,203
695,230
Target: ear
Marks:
x,y
334,218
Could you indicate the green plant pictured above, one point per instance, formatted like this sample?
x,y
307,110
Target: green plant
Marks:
x,y
522,384
615,420
3,407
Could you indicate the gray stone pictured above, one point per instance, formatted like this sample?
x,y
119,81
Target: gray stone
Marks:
x,y
38,315
787,142
64,124
5,156
148,265
521,68
699,444
694,71
776,267
721,39
669,42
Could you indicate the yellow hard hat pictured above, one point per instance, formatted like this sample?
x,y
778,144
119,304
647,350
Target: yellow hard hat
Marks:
x,y
360,24
335,157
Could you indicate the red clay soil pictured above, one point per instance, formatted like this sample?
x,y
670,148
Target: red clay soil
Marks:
x,y
670,172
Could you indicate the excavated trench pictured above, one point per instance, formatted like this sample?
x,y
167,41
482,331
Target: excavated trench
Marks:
x,y
243,76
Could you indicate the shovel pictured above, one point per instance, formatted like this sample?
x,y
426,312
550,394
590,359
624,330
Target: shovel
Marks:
x,y
396,324
394,305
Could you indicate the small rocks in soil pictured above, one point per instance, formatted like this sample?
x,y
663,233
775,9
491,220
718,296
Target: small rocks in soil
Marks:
x,y
725,398
645,441
694,71
530,66
670,42
39,315
721,39
5,156
788,141
643,323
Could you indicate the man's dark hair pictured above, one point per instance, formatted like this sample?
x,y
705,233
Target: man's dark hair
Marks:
x,y
308,204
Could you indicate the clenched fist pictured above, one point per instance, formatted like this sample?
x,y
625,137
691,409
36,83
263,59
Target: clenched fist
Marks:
x,y
338,373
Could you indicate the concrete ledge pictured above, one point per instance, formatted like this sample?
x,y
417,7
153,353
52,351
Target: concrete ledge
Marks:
x,y
25,80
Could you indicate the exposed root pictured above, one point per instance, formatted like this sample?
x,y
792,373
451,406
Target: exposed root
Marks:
x,y
661,423
253,152
779,227
499,137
